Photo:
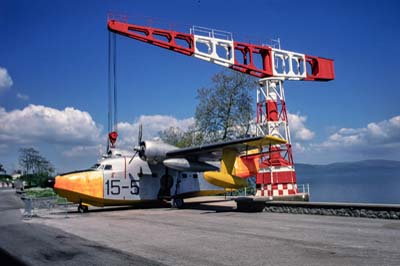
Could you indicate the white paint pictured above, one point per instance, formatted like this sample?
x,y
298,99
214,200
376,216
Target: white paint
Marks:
x,y
287,64
213,39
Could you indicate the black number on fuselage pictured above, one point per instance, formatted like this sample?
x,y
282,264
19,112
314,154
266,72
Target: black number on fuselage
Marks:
x,y
134,188
113,187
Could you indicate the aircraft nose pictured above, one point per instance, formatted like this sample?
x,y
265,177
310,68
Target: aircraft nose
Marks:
x,y
76,184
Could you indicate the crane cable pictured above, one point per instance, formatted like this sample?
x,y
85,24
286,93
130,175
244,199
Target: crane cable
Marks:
x,y
112,82
115,81
109,82
112,85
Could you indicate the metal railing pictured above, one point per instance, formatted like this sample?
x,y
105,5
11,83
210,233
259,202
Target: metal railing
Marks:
x,y
211,33
303,188
44,206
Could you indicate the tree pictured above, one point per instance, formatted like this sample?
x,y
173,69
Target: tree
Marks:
x,y
224,110
180,138
2,170
33,163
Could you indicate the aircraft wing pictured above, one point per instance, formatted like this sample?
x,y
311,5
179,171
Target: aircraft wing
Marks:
x,y
214,151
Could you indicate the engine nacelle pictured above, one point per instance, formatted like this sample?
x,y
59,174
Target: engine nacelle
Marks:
x,y
184,165
155,151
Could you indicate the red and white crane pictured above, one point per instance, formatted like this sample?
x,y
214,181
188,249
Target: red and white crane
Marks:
x,y
276,176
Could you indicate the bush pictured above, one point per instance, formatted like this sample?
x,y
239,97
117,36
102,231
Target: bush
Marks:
x,y
36,180
5,178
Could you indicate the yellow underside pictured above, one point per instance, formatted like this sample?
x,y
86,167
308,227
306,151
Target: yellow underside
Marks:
x,y
84,199
76,197
201,193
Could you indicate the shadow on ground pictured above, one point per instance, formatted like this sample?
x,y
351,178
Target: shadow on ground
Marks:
x,y
8,259
210,205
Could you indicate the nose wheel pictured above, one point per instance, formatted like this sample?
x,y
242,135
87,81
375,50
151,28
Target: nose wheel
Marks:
x,y
82,208
178,203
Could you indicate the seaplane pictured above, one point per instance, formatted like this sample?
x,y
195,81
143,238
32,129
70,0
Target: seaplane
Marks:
x,y
157,171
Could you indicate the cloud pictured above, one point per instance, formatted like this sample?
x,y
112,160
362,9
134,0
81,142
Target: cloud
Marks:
x,y
152,125
299,148
83,151
375,136
69,137
298,128
377,140
41,124
22,96
5,79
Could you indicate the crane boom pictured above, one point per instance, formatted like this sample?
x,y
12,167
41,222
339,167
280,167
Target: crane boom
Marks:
x,y
219,47
276,175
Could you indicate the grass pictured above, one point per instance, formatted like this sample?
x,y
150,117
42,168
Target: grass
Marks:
x,y
40,192
37,193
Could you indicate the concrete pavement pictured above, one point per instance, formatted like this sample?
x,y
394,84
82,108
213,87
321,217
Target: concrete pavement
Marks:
x,y
208,234
27,243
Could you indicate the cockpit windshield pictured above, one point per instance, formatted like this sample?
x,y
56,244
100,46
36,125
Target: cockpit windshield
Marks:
x,y
95,166
115,164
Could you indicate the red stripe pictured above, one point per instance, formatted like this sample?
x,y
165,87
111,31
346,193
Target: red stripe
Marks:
x,y
125,166
277,178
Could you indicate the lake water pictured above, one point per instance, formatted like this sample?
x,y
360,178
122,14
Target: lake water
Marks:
x,y
385,192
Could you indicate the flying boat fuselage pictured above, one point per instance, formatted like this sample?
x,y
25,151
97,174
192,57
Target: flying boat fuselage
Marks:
x,y
159,171
115,181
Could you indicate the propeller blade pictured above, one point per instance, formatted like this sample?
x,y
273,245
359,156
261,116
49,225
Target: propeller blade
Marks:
x,y
139,149
133,157
140,134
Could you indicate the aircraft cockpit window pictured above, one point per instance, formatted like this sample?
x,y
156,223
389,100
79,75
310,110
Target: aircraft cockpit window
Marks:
x,y
95,166
108,167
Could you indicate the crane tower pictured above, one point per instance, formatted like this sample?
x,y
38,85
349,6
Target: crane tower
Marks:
x,y
276,174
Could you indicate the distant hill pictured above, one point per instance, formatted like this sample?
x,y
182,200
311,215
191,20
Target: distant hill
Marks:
x,y
374,181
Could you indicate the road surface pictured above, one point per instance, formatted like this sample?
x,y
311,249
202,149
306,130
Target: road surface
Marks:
x,y
203,234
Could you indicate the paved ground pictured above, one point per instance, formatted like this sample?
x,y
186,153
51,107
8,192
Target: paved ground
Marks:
x,y
31,243
204,234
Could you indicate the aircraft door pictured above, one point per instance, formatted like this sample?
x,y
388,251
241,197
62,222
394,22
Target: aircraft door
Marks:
x,y
166,183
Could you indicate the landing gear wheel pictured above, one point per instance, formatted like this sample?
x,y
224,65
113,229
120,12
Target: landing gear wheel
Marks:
x,y
178,203
83,208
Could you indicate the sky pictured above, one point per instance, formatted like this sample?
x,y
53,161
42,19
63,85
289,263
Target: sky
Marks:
x,y
53,75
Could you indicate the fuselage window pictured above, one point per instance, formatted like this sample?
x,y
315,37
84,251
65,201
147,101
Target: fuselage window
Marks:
x,y
195,176
184,175
108,167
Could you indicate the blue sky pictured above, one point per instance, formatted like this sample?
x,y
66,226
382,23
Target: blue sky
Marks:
x,y
53,56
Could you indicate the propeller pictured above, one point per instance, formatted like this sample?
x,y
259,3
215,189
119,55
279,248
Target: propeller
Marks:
x,y
141,147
